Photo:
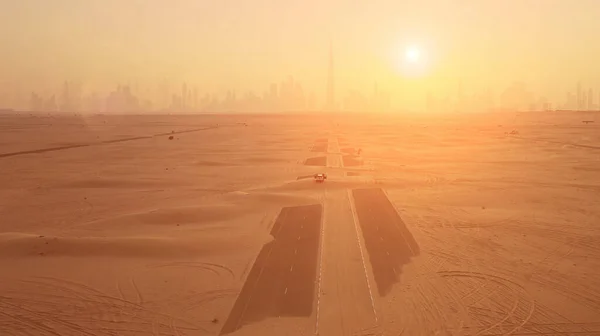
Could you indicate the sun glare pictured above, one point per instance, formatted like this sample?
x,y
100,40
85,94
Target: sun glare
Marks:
x,y
412,61
412,54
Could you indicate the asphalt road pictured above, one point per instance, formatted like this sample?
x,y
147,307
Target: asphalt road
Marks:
x,y
282,280
389,243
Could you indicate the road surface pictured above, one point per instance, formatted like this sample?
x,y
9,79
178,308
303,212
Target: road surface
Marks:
x,y
346,303
389,243
282,280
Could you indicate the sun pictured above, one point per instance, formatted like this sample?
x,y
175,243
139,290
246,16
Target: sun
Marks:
x,y
412,54
412,61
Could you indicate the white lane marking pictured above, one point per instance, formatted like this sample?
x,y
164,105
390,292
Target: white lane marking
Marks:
x,y
284,293
362,257
298,237
320,280
291,268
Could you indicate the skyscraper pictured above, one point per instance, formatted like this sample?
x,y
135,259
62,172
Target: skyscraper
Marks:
x,y
579,97
195,99
66,98
184,96
330,83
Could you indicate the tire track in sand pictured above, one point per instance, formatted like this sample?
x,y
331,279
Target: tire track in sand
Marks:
x,y
466,295
64,305
522,304
544,321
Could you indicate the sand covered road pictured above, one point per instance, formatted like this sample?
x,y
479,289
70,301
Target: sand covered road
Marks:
x,y
345,300
159,237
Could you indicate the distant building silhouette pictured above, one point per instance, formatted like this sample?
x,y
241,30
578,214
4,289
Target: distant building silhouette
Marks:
x,y
516,97
93,103
579,97
286,95
50,104
571,102
122,101
36,103
65,104
273,100
330,81
195,99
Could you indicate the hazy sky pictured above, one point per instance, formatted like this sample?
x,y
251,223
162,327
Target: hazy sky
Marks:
x,y
247,44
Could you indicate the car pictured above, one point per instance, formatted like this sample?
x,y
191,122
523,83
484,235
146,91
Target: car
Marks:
x,y
320,178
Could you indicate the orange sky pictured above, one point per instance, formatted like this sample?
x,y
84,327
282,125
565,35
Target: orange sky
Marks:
x,y
247,44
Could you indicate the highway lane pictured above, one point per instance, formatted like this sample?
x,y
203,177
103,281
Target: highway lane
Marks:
x,y
282,279
389,243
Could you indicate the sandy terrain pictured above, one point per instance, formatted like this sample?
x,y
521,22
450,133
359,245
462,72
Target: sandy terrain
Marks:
x,y
212,225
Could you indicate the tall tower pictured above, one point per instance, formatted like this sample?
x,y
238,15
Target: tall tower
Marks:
x,y
330,83
66,98
579,97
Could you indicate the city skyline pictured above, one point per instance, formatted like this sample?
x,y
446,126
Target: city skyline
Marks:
x,y
164,97
219,47
290,96
330,99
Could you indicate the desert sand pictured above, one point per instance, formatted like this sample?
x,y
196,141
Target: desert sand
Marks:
x,y
482,224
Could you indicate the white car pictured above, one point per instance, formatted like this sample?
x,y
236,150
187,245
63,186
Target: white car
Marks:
x,y
320,178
